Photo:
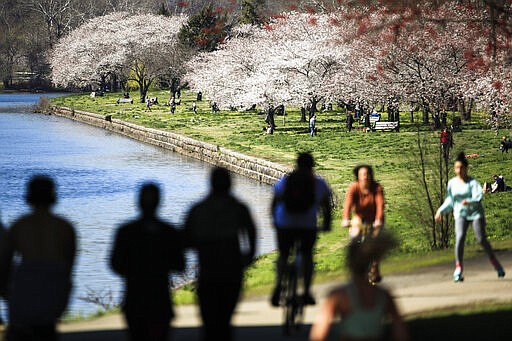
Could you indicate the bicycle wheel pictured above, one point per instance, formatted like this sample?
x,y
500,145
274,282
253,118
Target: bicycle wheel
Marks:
x,y
290,300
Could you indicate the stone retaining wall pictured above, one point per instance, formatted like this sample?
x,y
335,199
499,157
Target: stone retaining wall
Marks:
x,y
251,167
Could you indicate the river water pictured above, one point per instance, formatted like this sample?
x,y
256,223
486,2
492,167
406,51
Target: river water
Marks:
x,y
97,175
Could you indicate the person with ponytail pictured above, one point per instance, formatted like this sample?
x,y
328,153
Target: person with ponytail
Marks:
x,y
464,197
362,307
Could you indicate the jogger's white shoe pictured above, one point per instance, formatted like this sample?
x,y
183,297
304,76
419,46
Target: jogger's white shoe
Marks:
x,y
457,274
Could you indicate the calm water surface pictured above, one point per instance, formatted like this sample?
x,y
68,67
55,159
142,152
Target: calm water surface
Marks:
x,y
97,175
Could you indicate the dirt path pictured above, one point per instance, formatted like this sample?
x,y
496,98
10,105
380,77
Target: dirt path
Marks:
x,y
426,289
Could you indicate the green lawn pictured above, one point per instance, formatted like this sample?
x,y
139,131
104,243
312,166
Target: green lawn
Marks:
x,y
393,155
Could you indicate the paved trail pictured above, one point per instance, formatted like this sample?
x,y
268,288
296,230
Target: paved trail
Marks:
x,y
426,289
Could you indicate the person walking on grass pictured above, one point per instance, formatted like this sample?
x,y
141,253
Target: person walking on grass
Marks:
x,y
312,125
464,197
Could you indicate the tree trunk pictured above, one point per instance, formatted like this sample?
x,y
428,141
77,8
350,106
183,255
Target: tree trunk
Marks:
x,y
142,92
427,192
302,114
444,228
113,83
465,112
426,113
144,85
174,86
470,109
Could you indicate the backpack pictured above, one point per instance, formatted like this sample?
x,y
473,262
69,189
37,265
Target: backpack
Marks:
x,y
299,192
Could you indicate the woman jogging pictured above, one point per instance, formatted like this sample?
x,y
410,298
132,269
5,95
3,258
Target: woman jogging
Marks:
x,y
464,198
365,200
362,307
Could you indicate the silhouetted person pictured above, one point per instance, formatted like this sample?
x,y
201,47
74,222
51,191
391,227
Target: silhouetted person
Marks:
x,y
38,286
221,230
366,122
145,251
349,121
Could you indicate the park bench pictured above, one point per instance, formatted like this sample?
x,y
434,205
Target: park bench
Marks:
x,y
386,126
124,100
373,119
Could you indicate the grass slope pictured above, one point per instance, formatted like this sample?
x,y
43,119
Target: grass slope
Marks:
x,y
393,155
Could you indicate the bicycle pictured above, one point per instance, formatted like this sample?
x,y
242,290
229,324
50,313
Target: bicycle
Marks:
x,y
290,298
358,234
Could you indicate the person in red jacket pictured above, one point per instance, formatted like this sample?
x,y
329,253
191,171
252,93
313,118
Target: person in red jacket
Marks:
x,y
446,142
365,201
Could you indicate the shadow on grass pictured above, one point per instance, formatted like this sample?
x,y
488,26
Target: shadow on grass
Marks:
x,y
257,333
480,326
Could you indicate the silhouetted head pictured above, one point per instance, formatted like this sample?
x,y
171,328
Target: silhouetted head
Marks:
x,y
149,198
41,191
305,161
220,180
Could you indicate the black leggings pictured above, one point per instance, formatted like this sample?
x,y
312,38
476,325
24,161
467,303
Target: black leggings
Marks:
x,y
285,240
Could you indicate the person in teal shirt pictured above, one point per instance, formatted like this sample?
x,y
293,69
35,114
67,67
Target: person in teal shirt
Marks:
x,y
464,198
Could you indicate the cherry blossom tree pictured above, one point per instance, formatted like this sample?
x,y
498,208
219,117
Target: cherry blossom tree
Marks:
x,y
443,66
292,59
129,47
430,67
437,57
468,40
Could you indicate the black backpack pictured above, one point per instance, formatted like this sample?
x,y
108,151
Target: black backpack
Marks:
x,y
299,192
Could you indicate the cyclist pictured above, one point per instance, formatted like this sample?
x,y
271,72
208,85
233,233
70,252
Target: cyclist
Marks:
x,y
464,198
365,200
298,198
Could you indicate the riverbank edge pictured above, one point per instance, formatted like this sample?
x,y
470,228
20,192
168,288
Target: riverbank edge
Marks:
x,y
251,167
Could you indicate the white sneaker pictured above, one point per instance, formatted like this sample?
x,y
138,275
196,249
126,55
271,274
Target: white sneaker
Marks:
x,y
457,274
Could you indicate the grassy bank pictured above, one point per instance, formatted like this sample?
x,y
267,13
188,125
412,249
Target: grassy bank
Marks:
x,y
393,155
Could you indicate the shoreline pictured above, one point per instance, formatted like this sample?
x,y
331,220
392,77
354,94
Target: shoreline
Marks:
x,y
251,167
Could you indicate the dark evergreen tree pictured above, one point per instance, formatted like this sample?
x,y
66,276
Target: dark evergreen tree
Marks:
x,y
251,12
206,29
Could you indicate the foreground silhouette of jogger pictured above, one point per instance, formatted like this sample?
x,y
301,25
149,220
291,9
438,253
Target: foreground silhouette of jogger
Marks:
x,y
214,228
145,251
38,287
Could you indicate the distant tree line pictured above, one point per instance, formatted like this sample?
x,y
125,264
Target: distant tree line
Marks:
x,y
31,28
